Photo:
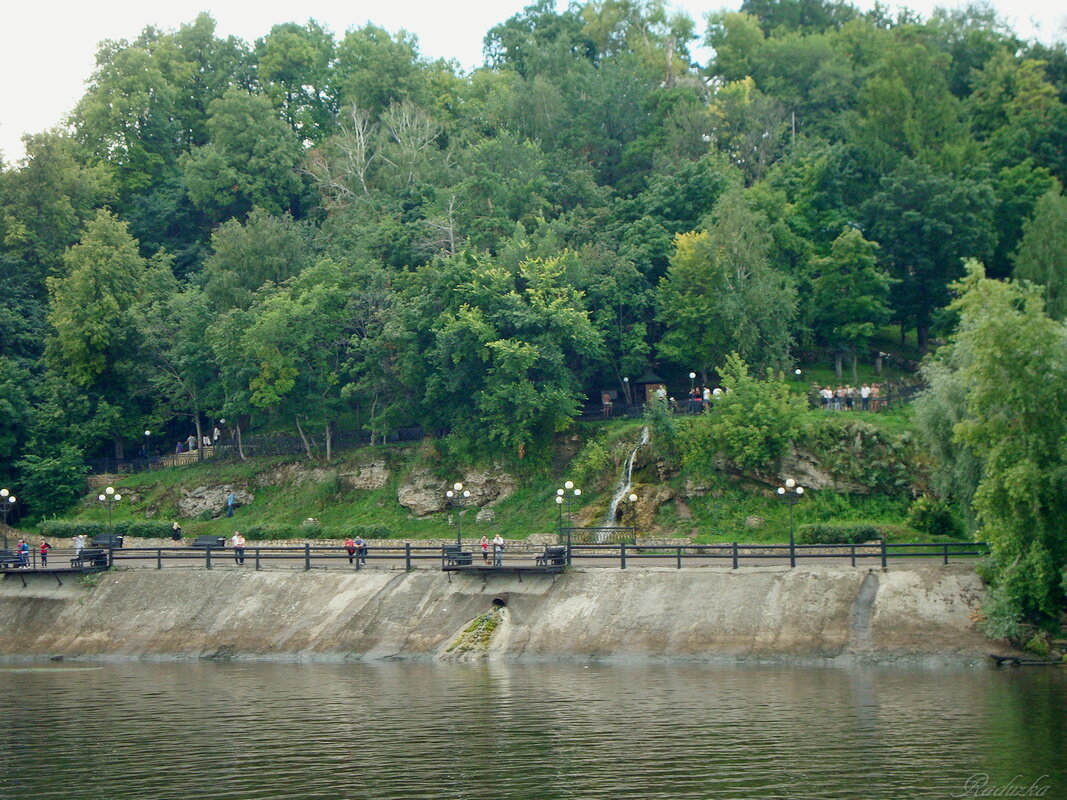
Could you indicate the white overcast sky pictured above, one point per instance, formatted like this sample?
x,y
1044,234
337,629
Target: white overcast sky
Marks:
x,y
47,46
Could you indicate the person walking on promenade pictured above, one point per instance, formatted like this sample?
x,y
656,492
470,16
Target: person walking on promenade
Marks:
x,y
45,547
361,549
79,544
485,549
175,532
24,553
237,541
350,546
231,501
498,550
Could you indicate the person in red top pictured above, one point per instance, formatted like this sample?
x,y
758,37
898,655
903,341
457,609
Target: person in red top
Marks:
x,y
45,547
350,546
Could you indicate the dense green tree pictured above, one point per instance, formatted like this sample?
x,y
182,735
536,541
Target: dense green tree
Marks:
x,y
250,161
927,223
720,294
501,377
1010,358
246,255
97,345
47,202
1042,254
851,297
293,66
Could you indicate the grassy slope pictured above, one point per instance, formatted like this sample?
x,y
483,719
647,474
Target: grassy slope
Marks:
x,y
718,515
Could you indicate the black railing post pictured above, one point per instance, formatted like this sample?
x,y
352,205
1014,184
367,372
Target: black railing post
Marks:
x,y
884,562
207,556
622,555
407,556
307,556
735,555
853,555
159,558
679,558
945,561
358,559
257,559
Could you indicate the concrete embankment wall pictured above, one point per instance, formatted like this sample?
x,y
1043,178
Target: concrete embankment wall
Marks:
x,y
809,613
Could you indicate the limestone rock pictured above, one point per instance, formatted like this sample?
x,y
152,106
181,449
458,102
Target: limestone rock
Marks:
x,y
422,493
210,498
805,469
485,515
754,521
369,476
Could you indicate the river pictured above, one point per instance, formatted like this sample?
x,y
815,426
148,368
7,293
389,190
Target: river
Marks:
x,y
247,730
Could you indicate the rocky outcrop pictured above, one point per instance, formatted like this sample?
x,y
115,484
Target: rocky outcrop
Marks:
x,y
196,501
423,493
367,476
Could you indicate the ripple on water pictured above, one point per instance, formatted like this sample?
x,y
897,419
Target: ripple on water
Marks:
x,y
250,731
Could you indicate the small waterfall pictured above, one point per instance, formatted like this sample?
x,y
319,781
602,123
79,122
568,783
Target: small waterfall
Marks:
x,y
625,482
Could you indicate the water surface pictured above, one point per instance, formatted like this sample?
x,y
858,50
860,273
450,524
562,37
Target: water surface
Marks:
x,y
140,731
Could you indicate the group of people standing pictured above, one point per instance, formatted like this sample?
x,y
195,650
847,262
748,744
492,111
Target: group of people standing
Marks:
x,y
22,548
845,398
498,550
190,443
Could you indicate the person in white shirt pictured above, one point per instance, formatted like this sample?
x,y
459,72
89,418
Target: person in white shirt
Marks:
x,y
237,541
498,550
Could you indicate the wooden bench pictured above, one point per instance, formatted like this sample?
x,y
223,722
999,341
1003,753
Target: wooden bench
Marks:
x,y
90,559
214,542
107,540
553,555
456,557
9,559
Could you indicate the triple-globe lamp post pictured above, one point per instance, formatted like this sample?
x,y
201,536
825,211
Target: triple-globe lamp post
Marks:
x,y
454,494
563,498
7,504
790,494
109,498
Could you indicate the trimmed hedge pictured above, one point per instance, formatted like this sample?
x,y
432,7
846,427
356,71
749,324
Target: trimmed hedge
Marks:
x,y
149,529
282,531
133,528
822,533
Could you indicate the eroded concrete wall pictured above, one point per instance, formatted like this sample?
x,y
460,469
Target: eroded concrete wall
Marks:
x,y
810,613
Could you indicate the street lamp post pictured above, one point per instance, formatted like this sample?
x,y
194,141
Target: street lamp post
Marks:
x,y
7,503
454,494
632,499
692,388
109,498
790,494
797,373
563,499
147,451
626,389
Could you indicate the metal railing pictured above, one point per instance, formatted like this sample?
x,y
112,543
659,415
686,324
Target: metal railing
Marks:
x,y
518,554
251,446
684,406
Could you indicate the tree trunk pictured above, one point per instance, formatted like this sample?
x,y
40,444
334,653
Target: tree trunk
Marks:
x,y
855,374
120,447
373,410
838,368
329,441
303,438
199,437
878,364
903,334
922,333
240,446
